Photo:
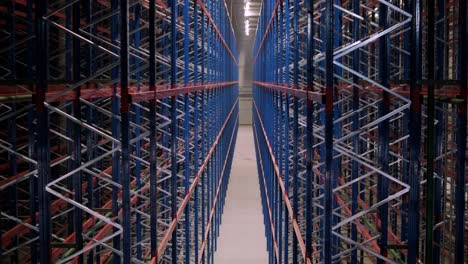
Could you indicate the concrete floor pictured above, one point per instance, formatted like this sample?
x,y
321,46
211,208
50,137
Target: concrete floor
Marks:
x,y
242,235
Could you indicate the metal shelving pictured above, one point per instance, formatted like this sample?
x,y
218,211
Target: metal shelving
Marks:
x,y
360,127
120,123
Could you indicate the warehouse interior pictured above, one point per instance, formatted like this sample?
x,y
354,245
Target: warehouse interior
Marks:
x,y
233,131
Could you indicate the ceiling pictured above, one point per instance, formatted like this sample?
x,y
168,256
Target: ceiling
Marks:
x,y
244,15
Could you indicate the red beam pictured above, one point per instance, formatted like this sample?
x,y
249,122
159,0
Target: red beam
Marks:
x,y
313,96
162,91
444,91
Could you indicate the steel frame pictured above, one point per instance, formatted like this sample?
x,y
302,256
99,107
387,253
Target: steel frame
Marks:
x,y
360,130
121,121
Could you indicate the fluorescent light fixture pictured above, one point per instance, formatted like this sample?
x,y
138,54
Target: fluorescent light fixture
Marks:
x,y
247,11
247,27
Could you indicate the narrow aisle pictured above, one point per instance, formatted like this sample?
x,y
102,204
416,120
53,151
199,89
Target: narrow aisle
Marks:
x,y
242,236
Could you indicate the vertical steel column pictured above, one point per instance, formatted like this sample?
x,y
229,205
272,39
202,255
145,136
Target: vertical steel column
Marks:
x,y
407,38
329,87
460,200
11,156
209,122
217,124
116,132
174,130
440,128
152,127
337,124
273,134
430,56
43,144
286,83
90,118
355,166
320,121
296,127
33,183
222,148
279,119
281,145
76,53
309,229
384,137
415,134
12,52
125,131
186,128
195,126
203,126
12,125
32,46
138,123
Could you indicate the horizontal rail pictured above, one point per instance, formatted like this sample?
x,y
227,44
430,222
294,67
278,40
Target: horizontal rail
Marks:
x,y
313,96
8,93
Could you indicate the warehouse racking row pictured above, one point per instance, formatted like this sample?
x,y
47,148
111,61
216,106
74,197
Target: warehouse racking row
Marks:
x,y
360,120
119,120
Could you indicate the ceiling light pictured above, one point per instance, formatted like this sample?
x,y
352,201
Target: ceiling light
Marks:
x,y
247,27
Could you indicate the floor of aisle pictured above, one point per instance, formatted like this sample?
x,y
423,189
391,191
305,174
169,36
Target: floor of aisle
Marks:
x,y
242,236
